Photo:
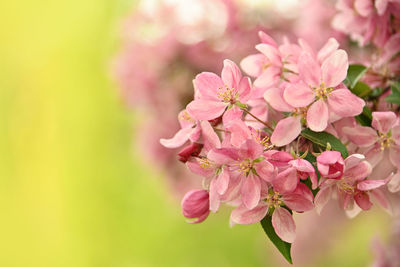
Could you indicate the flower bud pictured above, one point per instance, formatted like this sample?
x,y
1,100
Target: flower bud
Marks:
x,y
192,150
330,164
195,204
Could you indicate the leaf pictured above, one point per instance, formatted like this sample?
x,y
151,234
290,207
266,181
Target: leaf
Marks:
x,y
365,118
395,96
313,160
354,73
361,89
323,138
282,246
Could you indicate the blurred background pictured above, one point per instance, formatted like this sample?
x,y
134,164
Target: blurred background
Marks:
x,y
79,186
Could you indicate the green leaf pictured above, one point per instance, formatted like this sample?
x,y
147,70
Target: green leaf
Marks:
x,y
354,73
395,96
365,118
282,246
313,160
361,89
323,138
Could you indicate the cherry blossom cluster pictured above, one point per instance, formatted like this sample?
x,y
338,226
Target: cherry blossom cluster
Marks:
x,y
290,136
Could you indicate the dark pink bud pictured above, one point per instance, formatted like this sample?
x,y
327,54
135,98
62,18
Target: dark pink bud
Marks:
x,y
192,150
330,164
196,204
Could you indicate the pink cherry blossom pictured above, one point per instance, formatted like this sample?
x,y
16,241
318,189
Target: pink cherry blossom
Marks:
x,y
216,94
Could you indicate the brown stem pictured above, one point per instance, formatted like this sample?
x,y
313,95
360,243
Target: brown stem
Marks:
x,y
257,119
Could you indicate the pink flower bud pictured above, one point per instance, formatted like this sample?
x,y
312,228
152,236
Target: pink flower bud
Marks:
x,y
195,204
330,164
189,151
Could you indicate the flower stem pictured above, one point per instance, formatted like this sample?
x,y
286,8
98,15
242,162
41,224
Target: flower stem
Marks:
x,y
257,119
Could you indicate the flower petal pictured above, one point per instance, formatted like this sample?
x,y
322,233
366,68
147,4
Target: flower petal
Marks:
x,y
284,225
286,181
330,46
383,121
322,198
207,83
334,68
298,95
206,109
298,202
252,64
268,78
286,131
362,136
317,116
231,74
344,103
251,189
274,97
222,181
394,184
362,200
266,170
359,172
242,215
178,140
310,71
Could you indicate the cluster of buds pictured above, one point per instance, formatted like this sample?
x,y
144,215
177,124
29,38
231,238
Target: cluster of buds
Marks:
x,y
290,139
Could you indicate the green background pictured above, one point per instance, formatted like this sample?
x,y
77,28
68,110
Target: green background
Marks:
x,y
74,191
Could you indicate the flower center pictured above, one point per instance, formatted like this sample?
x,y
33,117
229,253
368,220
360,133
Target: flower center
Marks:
x,y
273,200
344,185
245,166
186,117
227,95
263,139
322,91
205,163
300,112
385,140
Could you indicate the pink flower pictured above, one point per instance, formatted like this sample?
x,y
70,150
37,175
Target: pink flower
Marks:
x,y
384,136
215,94
272,201
195,204
352,186
330,164
320,89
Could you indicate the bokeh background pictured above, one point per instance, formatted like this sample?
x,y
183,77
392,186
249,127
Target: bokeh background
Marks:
x,y
75,189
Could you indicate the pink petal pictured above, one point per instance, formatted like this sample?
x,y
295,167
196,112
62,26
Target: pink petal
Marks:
x,y
251,189
334,68
195,203
322,198
242,215
250,149
286,181
207,83
210,138
362,136
284,225
302,165
327,49
344,103
396,134
240,132
231,114
298,95
286,131
268,78
214,196
381,6
383,121
394,156
266,39
271,52
178,140
266,170
252,64
367,185
222,181
304,191
298,202
353,160
310,71
382,199
244,88
360,171
206,109
222,155
374,155
231,74
394,184
317,116
362,200
274,97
